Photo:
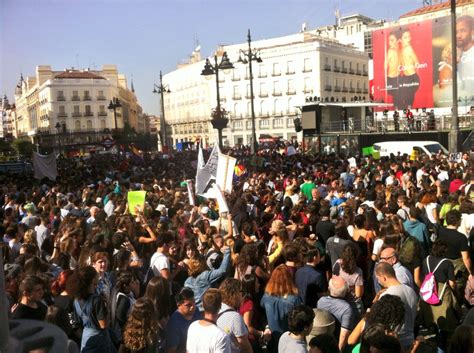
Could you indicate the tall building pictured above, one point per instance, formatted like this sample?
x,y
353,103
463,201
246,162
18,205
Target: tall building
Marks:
x,y
7,118
74,102
293,68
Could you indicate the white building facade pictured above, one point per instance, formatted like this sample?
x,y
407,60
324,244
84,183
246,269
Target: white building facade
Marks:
x,y
293,68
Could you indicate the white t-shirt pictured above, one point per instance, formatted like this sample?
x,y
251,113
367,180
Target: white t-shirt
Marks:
x,y
378,243
158,262
429,211
204,339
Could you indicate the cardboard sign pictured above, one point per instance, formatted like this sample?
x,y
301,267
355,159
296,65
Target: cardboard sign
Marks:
x,y
211,165
352,162
225,172
136,198
290,150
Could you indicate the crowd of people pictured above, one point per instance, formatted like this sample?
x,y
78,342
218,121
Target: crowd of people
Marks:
x,y
317,254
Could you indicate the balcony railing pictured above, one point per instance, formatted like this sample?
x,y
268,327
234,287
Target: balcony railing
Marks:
x,y
236,97
358,90
263,95
290,72
276,94
76,115
102,114
358,72
365,73
351,90
87,98
62,115
262,75
337,89
337,69
88,114
235,79
328,88
344,89
276,73
351,71
290,92
344,70
61,98
101,98
75,98
327,67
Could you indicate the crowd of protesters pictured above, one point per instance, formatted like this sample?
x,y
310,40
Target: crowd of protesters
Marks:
x,y
317,254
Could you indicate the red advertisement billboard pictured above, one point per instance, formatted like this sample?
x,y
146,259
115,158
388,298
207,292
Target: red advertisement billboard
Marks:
x,y
413,63
403,67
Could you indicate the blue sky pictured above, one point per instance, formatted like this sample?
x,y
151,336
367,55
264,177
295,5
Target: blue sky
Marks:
x,y
143,37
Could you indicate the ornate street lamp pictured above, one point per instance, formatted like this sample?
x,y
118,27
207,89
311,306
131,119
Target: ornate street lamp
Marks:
x,y
161,90
219,120
114,105
246,57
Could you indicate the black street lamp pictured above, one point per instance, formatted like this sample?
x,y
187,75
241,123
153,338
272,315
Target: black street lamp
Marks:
x,y
162,89
114,104
246,57
58,127
219,120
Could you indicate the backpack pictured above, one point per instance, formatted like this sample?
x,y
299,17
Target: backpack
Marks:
x,y
428,289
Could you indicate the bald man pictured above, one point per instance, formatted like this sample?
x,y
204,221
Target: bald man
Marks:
x,y
340,308
404,276
386,277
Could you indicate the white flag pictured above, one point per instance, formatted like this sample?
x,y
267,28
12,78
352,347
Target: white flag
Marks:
x,y
45,166
200,161
225,172
211,165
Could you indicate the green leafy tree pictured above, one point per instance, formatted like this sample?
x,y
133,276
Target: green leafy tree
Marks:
x,y
23,147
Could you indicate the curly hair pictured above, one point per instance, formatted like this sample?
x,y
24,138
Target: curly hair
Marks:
x,y
248,257
141,329
349,258
388,310
230,290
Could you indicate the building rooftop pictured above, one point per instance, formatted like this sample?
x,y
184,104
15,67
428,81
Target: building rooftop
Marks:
x,y
79,75
433,8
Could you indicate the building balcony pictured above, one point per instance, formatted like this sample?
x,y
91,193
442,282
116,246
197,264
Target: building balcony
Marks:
x,y
248,96
87,98
307,90
75,98
365,91
337,89
344,89
365,73
305,70
351,90
327,67
88,114
352,71
262,75
276,73
290,92
359,72
358,90
290,72
76,115
61,98
236,97
337,69
263,95
276,94
234,79
344,70
62,115
102,114
101,98
328,88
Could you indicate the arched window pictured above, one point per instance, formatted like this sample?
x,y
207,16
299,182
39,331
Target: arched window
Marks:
x,y
102,124
77,125
89,124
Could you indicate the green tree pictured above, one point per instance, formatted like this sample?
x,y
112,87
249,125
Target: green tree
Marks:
x,y
23,147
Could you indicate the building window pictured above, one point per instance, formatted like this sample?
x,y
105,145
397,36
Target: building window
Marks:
x,y
236,94
77,124
89,124
263,89
101,96
102,124
276,88
62,109
278,122
264,124
262,73
291,87
75,95
307,65
235,75
247,73
88,110
87,96
290,68
238,124
247,95
276,69
308,85
76,111
61,96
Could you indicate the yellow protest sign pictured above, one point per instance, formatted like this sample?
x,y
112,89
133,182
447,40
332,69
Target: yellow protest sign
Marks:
x,y
136,198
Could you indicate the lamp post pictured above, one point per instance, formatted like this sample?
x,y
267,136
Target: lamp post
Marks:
x,y
114,105
161,90
246,57
219,120
58,128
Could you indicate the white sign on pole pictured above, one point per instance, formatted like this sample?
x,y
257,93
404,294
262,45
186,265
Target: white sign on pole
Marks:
x,y
221,202
189,185
225,172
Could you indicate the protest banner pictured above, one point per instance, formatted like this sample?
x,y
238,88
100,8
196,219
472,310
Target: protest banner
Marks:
x,y
225,172
221,202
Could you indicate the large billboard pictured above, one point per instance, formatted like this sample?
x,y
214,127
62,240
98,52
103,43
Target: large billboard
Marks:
x,y
413,62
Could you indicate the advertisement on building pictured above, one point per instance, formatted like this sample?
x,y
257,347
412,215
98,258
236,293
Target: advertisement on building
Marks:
x,y
413,62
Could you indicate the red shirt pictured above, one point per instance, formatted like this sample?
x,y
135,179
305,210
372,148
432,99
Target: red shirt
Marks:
x,y
455,185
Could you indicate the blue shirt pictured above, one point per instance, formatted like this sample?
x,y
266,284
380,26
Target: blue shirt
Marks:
x,y
277,309
177,330
309,282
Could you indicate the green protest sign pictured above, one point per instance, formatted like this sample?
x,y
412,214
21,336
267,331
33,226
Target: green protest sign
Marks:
x,y
136,198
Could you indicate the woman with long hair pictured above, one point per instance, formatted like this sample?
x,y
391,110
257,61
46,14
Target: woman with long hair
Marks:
x,y
142,330
346,268
281,295
91,312
158,291
248,263
124,294
251,312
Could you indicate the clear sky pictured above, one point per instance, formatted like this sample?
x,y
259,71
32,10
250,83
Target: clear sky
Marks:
x,y
143,37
